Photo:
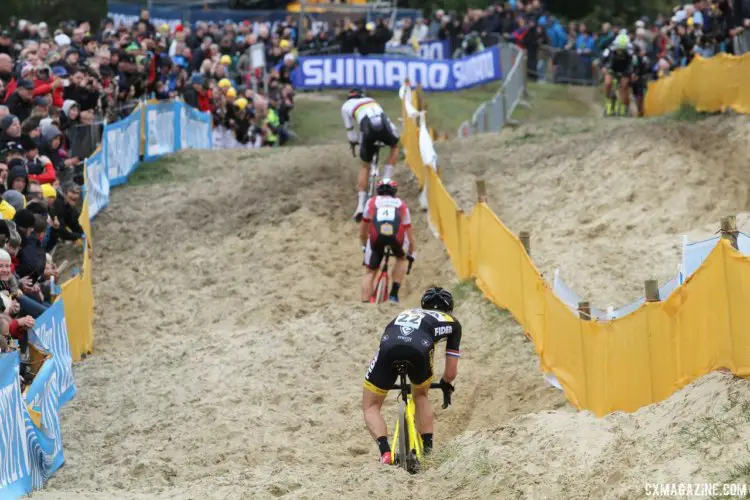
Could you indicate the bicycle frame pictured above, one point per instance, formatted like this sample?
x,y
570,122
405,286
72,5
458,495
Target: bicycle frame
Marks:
x,y
380,291
374,173
405,433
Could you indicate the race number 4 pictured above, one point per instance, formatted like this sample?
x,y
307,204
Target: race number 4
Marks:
x,y
386,213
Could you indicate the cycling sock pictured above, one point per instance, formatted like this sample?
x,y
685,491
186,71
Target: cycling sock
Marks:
x,y
427,441
394,289
384,446
387,171
361,198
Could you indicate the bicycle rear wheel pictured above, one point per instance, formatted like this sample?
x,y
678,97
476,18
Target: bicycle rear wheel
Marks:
x,y
403,438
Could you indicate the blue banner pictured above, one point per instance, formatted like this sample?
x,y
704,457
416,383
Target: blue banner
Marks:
x,y
388,73
128,14
195,128
121,148
433,50
15,463
50,334
162,128
97,183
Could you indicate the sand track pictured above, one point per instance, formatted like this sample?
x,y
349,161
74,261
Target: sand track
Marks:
x,y
230,343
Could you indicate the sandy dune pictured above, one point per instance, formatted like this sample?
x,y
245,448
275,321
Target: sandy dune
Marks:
x,y
231,345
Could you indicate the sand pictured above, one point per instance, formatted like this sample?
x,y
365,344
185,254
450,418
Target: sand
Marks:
x,y
230,344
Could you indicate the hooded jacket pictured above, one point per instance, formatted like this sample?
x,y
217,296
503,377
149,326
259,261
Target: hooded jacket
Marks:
x,y
16,172
49,132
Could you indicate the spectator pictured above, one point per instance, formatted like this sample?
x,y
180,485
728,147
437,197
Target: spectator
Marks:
x,y
31,258
19,103
66,210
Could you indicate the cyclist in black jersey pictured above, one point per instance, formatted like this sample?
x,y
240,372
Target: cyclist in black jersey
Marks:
x,y
618,61
411,336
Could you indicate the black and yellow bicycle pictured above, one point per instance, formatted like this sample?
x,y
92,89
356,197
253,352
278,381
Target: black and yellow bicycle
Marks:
x,y
408,447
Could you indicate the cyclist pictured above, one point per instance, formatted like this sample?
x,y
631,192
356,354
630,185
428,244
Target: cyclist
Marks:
x,y
366,123
386,222
641,70
618,60
411,336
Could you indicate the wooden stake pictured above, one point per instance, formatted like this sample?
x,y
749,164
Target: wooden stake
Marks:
x,y
652,291
525,238
729,229
481,191
584,311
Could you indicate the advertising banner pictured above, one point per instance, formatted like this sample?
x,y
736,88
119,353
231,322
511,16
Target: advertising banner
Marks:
x,y
162,129
97,183
433,50
15,466
195,128
388,73
121,147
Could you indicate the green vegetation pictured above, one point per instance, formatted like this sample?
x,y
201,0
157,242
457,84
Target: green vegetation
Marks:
x,y
688,113
316,118
166,169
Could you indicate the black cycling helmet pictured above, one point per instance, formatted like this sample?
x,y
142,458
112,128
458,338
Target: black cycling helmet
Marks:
x,y
438,299
387,187
355,94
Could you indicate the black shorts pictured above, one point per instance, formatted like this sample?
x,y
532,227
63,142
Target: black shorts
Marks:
x,y
639,87
417,351
375,251
375,131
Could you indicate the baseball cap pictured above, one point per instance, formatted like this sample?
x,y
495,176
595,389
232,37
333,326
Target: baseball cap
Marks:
x,y
60,71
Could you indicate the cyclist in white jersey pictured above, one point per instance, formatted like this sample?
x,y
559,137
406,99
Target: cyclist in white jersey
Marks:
x,y
366,123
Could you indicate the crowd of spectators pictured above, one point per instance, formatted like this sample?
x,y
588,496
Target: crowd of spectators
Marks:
x,y
79,75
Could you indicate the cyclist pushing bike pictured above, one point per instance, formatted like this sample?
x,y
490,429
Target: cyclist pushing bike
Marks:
x,y
411,337
367,124
619,60
386,223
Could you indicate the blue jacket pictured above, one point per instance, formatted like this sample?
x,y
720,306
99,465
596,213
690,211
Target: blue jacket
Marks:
x,y
557,36
584,42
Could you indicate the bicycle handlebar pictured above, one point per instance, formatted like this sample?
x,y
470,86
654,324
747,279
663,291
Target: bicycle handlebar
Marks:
x,y
446,394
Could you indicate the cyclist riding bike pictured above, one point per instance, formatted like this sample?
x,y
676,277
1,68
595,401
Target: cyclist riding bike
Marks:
x,y
411,337
618,60
366,124
386,223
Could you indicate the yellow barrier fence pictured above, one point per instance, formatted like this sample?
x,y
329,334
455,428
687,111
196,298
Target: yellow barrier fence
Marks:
x,y
715,84
622,364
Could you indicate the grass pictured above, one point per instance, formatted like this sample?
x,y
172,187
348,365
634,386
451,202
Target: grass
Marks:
x,y
165,169
554,101
492,314
316,118
688,113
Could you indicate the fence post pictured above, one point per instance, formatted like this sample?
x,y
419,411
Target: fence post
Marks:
x,y
525,238
729,229
652,291
584,311
481,191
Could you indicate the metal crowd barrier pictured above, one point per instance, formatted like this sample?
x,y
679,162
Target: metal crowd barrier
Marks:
x,y
493,115
83,139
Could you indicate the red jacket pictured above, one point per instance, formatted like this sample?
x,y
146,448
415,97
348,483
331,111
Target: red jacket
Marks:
x,y
43,88
15,330
46,177
204,101
10,88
